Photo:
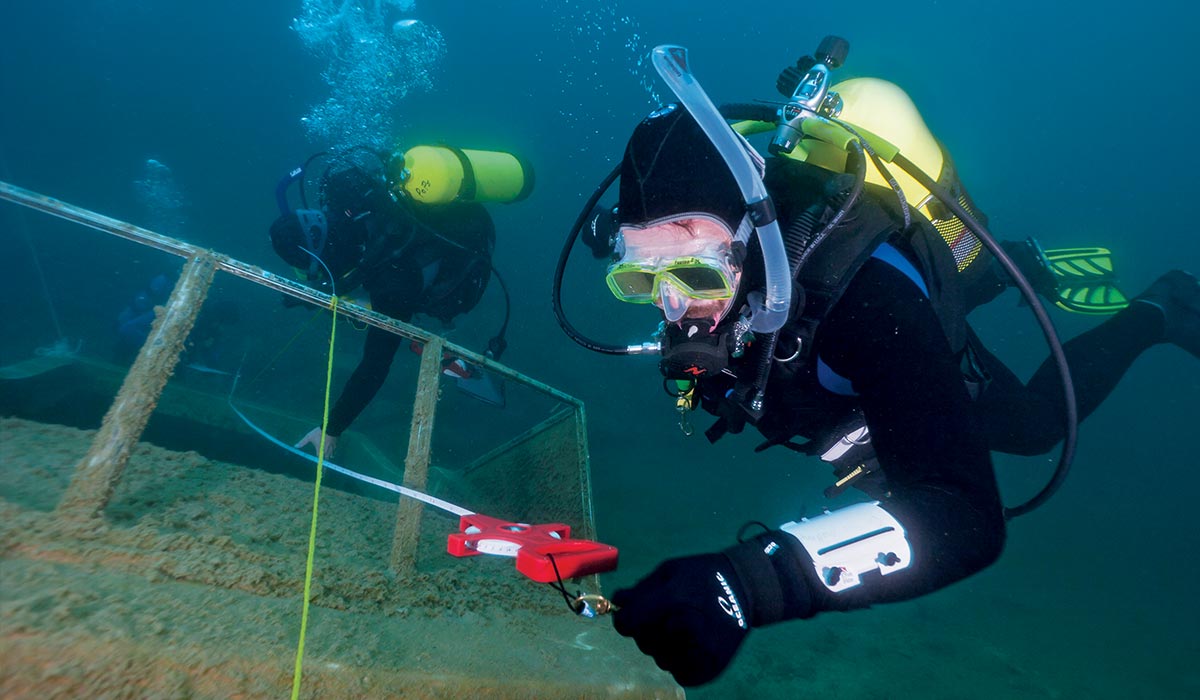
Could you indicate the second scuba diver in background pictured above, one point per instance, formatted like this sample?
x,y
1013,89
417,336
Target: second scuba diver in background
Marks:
x,y
857,317
206,349
413,233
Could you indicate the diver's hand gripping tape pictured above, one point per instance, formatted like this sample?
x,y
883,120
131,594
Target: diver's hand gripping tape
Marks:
x,y
846,544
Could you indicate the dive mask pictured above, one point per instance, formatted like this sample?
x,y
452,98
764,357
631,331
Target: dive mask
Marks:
x,y
316,233
674,261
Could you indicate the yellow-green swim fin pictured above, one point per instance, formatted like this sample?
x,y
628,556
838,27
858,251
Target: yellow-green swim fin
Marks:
x,y
1086,280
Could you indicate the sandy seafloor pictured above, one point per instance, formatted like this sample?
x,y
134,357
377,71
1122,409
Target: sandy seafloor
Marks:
x,y
193,590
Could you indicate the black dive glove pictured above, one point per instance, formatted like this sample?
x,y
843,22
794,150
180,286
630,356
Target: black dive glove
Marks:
x,y
691,614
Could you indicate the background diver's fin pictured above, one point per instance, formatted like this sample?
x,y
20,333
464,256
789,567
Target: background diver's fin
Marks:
x,y
1086,280
482,385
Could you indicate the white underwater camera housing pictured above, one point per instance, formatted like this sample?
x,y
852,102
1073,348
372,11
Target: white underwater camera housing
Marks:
x,y
846,544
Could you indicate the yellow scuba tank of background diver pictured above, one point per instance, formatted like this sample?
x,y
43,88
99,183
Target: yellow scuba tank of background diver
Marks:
x,y
877,108
442,174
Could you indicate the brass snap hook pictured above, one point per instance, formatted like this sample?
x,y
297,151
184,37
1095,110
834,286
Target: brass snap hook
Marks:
x,y
594,602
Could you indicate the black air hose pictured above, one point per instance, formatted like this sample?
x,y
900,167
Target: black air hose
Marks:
x,y
1071,411
749,111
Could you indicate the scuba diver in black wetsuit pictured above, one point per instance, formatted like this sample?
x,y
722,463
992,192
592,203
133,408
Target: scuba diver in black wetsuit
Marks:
x,y
411,231
843,322
135,320
206,345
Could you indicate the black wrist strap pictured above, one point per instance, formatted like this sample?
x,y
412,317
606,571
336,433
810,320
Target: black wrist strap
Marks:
x,y
760,583
770,568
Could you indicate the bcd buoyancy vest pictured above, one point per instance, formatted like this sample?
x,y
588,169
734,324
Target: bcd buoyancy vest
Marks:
x,y
800,401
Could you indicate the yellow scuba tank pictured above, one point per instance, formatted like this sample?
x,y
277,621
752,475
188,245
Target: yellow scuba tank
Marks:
x,y
876,107
441,174
887,118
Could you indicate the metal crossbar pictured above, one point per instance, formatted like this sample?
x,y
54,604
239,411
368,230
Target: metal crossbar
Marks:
x,y
257,275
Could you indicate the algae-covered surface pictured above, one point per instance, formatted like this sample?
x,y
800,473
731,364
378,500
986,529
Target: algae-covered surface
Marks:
x,y
192,585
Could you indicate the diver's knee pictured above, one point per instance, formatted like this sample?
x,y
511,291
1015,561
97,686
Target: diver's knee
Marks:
x,y
990,536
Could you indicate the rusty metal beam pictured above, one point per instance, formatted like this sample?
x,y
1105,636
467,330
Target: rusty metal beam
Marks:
x,y
97,475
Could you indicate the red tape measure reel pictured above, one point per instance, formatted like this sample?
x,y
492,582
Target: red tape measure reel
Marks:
x,y
539,549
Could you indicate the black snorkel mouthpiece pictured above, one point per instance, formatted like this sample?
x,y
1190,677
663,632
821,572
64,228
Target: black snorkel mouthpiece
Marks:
x,y
811,95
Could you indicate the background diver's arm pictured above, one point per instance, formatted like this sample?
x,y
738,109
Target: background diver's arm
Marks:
x,y
393,290
378,350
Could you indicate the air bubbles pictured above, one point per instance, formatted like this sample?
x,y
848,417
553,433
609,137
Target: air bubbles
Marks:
x,y
372,62
597,48
161,199
403,25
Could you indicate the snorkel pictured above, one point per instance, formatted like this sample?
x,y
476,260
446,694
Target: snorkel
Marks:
x,y
769,313
312,222
281,189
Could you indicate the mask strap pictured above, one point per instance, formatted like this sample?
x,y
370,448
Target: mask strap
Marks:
x,y
314,219
744,230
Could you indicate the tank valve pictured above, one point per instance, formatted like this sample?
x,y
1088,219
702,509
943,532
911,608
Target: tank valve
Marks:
x,y
811,96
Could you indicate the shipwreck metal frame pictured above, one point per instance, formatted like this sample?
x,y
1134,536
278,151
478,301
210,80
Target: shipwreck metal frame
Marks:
x,y
98,473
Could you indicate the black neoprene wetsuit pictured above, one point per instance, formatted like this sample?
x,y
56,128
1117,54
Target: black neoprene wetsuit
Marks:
x,y
400,288
932,440
1027,418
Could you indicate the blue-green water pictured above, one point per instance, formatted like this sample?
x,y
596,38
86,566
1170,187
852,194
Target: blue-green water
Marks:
x,y
1070,122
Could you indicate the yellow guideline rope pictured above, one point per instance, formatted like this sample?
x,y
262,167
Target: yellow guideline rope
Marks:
x,y
312,532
